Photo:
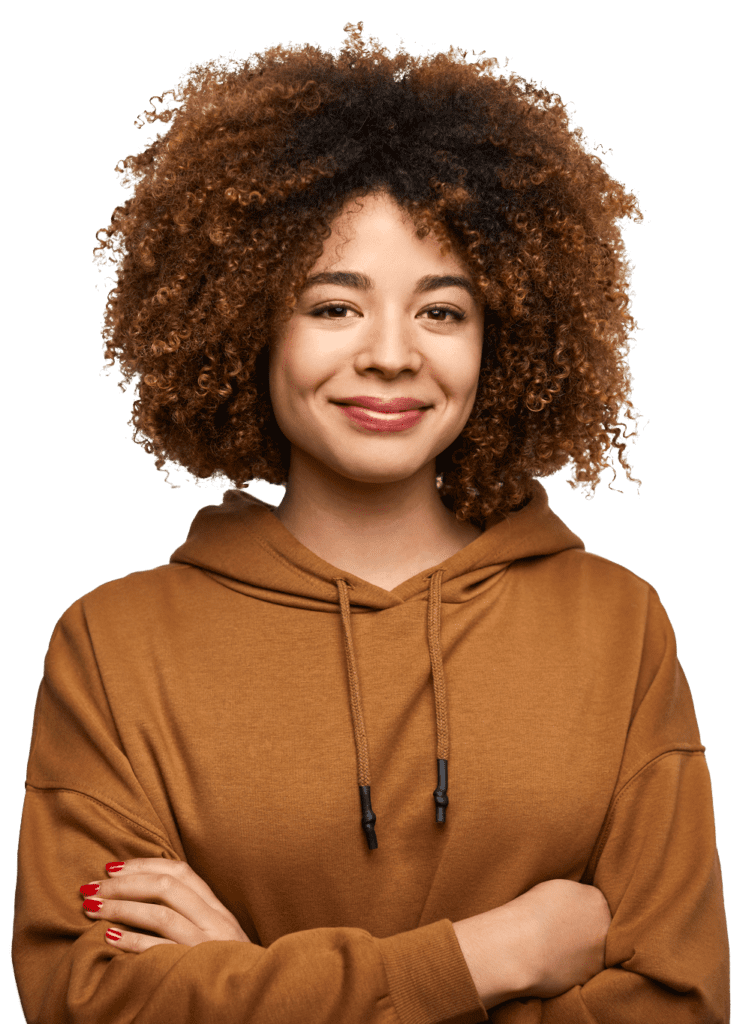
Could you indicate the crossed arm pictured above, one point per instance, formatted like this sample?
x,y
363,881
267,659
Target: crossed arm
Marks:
x,y
541,944
655,866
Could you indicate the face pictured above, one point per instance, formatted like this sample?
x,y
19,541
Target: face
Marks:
x,y
384,318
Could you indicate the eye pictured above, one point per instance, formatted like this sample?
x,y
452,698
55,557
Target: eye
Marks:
x,y
336,309
443,312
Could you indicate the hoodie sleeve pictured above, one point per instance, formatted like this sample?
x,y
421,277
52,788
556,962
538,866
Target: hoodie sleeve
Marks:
x,y
657,864
83,801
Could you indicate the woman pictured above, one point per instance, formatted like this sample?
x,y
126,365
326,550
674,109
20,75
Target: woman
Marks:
x,y
396,286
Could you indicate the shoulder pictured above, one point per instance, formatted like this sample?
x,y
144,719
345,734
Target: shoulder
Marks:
x,y
136,596
606,568
591,592
581,568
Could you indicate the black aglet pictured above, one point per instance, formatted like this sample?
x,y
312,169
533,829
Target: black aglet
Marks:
x,y
440,793
368,817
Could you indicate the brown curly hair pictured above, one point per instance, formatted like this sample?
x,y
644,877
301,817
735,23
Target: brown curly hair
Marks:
x,y
230,210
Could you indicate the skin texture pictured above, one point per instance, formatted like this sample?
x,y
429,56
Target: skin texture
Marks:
x,y
367,501
540,944
162,896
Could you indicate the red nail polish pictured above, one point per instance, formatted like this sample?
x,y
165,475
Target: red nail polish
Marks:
x,y
115,865
91,889
113,934
93,904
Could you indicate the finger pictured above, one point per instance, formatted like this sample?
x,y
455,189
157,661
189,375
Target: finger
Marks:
x,y
175,868
134,942
165,889
153,917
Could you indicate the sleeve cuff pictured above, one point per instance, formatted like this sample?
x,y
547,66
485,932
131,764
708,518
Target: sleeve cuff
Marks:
x,y
428,977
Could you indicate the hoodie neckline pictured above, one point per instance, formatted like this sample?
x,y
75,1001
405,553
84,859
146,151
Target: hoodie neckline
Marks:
x,y
535,529
242,545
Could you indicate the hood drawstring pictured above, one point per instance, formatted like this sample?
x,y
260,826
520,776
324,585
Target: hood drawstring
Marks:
x,y
440,700
362,749
440,695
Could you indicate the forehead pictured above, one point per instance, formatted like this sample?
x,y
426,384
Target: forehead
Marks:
x,y
374,211
374,228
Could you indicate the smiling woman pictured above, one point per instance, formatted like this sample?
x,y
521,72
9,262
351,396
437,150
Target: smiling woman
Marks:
x,y
396,286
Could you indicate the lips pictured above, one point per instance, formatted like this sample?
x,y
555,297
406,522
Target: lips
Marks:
x,y
380,405
379,421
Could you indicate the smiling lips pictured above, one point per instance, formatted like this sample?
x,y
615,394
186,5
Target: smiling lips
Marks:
x,y
378,405
373,414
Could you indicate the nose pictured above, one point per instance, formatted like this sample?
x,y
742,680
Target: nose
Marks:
x,y
389,346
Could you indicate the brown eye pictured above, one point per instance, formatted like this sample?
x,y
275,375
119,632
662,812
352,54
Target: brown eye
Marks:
x,y
338,312
443,314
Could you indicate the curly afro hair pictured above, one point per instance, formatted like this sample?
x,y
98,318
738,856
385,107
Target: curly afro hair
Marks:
x,y
230,210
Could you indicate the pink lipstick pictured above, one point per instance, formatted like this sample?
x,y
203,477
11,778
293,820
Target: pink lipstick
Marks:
x,y
379,415
383,405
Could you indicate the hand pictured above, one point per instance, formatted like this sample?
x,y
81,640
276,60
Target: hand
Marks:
x,y
567,924
542,943
162,896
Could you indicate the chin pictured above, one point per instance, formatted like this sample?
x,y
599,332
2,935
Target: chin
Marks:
x,y
370,477
355,463
385,474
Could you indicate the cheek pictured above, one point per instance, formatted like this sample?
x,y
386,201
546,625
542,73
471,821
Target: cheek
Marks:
x,y
297,367
284,364
459,371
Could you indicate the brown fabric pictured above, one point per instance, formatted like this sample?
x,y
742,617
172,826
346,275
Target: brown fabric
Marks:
x,y
206,711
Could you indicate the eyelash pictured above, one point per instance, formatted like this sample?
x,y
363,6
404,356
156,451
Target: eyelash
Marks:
x,y
432,309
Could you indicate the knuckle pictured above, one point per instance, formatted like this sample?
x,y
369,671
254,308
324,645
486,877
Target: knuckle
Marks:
x,y
163,884
134,941
161,915
224,932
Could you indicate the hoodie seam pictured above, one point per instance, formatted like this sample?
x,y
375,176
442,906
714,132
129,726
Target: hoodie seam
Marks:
x,y
603,837
305,575
101,803
287,564
99,674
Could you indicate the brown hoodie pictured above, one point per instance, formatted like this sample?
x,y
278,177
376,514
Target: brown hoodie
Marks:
x,y
238,707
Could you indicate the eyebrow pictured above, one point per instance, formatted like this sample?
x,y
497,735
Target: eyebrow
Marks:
x,y
351,279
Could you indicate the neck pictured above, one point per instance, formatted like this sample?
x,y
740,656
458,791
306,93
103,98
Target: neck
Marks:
x,y
381,532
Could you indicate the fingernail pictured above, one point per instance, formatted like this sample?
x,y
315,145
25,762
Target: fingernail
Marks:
x,y
115,865
113,934
93,904
90,889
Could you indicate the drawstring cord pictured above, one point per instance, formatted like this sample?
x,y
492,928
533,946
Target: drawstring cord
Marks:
x,y
440,700
440,696
362,749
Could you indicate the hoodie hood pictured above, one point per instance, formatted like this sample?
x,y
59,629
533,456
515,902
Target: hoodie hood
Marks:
x,y
243,546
